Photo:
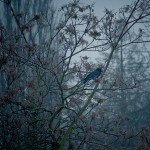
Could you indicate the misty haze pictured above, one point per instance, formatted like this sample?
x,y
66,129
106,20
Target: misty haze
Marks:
x,y
74,75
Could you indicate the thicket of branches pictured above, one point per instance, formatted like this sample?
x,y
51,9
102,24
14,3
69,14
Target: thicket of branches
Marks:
x,y
42,103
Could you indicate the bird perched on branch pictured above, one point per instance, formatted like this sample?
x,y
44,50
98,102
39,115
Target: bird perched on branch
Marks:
x,y
94,74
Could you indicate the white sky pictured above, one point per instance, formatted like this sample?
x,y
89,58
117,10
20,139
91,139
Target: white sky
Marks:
x,y
100,5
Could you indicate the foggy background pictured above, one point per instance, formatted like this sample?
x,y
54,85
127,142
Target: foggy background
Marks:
x,y
48,47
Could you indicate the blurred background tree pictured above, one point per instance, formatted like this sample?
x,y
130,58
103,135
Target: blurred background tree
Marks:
x,y
42,104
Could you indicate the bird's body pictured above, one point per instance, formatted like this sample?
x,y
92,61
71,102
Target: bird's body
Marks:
x,y
94,74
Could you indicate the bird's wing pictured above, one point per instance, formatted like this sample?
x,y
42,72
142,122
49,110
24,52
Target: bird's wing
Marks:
x,y
89,77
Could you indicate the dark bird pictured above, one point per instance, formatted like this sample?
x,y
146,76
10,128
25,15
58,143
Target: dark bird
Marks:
x,y
94,74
